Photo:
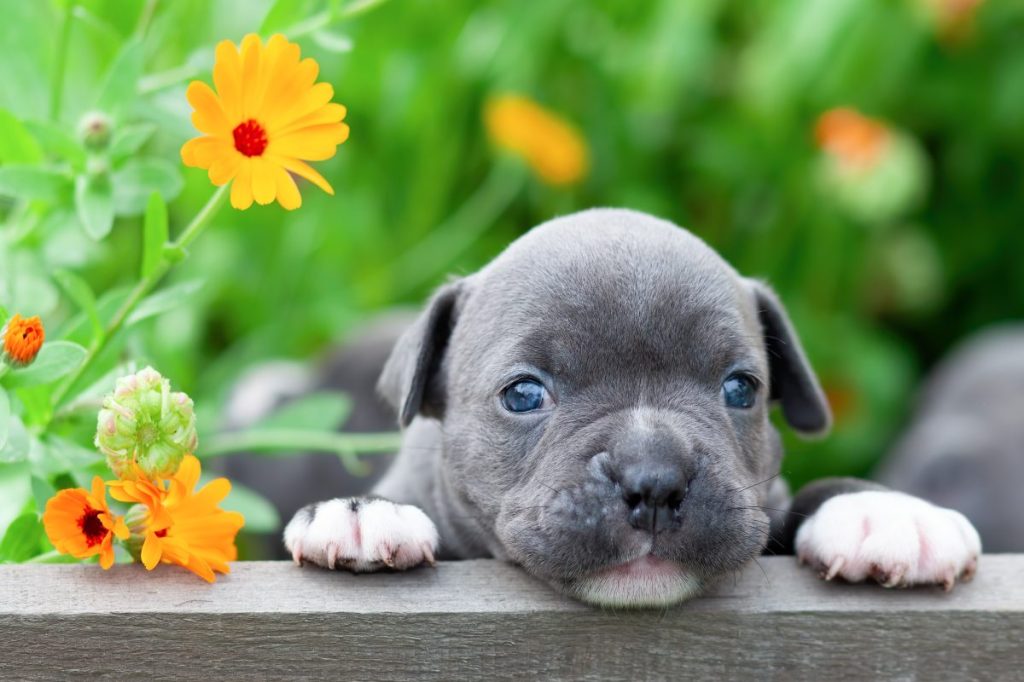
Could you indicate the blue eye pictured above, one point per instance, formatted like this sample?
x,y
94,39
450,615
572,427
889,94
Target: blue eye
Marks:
x,y
524,396
739,391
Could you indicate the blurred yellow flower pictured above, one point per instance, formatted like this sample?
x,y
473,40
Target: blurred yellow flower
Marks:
x,y
78,522
852,138
554,148
267,117
183,526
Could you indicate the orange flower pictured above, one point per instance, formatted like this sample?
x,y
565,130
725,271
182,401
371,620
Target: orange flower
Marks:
x,y
184,527
22,340
554,149
78,522
265,120
854,139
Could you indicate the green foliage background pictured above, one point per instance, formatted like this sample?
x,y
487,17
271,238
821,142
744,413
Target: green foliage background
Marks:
x,y
702,112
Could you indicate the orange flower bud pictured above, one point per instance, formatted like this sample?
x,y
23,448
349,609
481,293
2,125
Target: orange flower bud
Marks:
x,y
22,340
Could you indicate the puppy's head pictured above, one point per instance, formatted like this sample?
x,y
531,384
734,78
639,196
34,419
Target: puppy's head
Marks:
x,y
603,388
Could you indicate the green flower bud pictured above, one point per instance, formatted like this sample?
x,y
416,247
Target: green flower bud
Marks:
x,y
143,423
94,130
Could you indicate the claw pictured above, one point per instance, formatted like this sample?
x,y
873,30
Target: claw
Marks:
x,y
833,570
895,578
428,555
969,570
388,557
948,580
297,554
332,556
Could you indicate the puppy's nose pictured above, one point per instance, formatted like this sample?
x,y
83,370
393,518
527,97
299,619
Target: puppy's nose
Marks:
x,y
654,496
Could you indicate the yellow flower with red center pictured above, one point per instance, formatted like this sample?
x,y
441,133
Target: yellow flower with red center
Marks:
x,y
553,148
183,526
852,138
22,339
78,522
267,117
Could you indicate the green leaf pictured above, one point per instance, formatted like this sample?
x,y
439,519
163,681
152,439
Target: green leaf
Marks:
x,y
22,539
94,199
32,182
260,515
122,78
58,455
154,234
18,441
164,300
333,42
137,179
58,142
42,491
16,143
5,417
79,292
283,14
315,412
129,139
15,490
56,359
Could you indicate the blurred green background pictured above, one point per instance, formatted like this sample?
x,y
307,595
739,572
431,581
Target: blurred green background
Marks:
x,y
703,112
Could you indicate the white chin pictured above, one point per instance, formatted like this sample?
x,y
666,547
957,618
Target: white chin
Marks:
x,y
644,582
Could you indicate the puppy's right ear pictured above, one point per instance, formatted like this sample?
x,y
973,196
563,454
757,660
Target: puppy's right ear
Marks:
x,y
413,378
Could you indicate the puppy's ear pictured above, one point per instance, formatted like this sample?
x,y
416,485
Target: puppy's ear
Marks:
x,y
412,380
792,381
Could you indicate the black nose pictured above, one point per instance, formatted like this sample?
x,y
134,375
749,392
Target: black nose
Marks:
x,y
654,496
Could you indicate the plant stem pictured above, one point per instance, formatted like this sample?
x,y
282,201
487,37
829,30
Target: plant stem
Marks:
x,y
57,85
284,440
145,285
433,254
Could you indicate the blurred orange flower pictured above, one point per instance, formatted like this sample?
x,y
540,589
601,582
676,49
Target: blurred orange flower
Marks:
x,y
852,138
267,117
78,522
22,339
183,526
554,149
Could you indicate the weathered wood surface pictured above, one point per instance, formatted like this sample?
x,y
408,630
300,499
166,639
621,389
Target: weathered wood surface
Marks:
x,y
485,619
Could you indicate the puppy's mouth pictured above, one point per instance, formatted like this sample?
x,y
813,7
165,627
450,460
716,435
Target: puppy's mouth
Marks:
x,y
647,581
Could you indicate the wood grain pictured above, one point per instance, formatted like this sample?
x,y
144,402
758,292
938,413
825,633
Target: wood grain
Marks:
x,y
486,619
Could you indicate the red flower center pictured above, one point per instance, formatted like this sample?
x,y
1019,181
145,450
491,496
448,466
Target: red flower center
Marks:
x,y
92,527
250,138
161,533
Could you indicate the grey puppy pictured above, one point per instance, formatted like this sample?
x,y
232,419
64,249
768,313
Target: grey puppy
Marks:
x,y
594,406
965,448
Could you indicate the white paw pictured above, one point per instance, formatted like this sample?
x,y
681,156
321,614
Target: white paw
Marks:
x,y
896,539
361,535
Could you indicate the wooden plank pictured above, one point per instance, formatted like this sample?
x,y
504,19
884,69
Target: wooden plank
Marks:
x,y
477,619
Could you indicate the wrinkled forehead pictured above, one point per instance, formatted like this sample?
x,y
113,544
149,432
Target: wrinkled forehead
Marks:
x,y
593,311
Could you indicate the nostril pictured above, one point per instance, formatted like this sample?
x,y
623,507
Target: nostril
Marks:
x,y
634,500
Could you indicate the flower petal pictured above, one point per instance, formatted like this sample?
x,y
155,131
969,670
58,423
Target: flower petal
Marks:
x,y
303,170
208,116
202,152
263,186
332,112
227,76
294,83
225,167
252,84
107,553
287,191
314,144
241,188
151,551
302,103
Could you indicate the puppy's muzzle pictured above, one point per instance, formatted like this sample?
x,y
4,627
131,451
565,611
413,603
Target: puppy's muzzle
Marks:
x,y
654,469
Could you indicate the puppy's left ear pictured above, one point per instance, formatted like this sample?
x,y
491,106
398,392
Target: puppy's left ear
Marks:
x,y
413,377
792,381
